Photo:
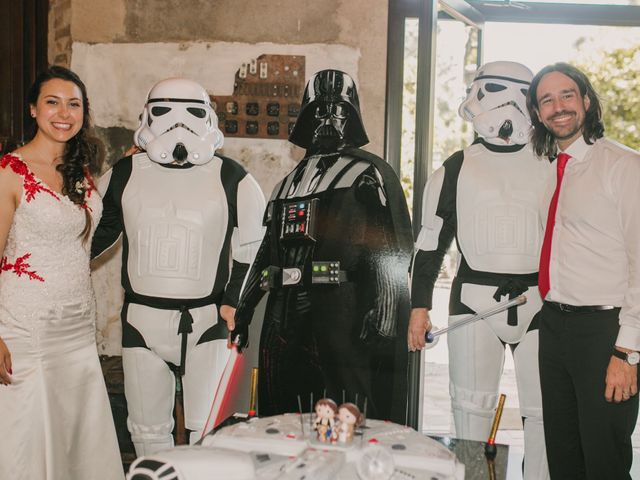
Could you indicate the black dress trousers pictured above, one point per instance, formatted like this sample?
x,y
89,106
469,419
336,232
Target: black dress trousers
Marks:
x,y
586,436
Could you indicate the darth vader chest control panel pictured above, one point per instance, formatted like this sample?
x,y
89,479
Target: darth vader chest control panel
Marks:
x,y
298,220
298,224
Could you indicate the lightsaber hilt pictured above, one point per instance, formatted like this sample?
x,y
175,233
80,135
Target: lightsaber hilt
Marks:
x,y
500,307
253,392
490,449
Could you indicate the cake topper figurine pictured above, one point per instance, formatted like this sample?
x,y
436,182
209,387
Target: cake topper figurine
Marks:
x,y
326,411
349,418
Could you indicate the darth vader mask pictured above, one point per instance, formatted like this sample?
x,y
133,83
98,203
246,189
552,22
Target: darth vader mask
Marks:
x,y
329,117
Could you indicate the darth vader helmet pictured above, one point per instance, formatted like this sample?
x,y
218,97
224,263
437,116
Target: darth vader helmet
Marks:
x,y
496,102
329,116
178,124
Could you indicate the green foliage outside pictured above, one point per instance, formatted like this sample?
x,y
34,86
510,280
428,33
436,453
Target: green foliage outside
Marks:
x,y
454,70
614,75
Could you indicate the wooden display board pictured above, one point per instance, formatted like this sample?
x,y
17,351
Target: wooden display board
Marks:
x,y
266,98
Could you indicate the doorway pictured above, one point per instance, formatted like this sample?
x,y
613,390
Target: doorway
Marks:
x,y
23,50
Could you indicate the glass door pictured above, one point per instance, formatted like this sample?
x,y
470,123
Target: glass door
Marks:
x,y
433,50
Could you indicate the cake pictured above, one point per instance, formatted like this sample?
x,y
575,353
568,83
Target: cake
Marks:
x,y
285,447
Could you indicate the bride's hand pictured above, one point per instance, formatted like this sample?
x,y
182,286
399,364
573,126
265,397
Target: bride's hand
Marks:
x,y
5,364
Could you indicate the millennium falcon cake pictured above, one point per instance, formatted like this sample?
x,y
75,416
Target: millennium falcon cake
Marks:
x,y
286,447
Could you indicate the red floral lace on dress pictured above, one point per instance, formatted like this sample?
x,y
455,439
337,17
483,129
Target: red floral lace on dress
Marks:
x,y
31,184
19,267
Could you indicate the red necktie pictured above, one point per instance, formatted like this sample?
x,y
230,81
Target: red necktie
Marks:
x,y
545,254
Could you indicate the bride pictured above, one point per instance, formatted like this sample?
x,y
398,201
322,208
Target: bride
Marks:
x,y
55,417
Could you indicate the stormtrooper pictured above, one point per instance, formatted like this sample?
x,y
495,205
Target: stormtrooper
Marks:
x,y
334,259
488,198
191,225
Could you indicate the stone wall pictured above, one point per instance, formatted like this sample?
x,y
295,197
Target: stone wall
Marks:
x,y
60,32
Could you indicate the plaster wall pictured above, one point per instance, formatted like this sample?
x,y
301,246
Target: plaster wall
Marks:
x,y
121,48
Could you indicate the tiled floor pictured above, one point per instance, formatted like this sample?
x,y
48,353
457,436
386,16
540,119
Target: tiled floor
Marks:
x,y
437,417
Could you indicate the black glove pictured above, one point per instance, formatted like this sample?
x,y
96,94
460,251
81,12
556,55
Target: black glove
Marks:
x,y
240,337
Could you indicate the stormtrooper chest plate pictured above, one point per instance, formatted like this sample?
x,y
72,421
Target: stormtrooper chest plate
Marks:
x,y
498,209
176,221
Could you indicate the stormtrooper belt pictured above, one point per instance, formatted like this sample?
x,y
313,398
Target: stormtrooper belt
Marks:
x,y
508,285
322,273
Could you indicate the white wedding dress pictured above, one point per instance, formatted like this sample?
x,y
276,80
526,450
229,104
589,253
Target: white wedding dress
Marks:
x,y
55,419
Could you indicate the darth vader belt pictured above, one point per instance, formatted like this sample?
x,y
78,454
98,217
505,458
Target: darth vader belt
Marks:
x,y
328,273
322,273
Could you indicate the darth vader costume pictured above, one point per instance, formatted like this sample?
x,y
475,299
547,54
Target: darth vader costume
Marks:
x,y
488,197
191,225
334,259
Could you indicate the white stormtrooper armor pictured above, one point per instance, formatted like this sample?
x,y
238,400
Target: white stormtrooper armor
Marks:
x,y
487,197
192,224
502,210
170,254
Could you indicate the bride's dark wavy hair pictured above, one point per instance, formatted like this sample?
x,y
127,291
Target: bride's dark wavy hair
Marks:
x,y
82,156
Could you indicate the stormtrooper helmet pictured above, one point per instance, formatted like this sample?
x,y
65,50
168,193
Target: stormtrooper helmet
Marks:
x,y
329,116
178,124
496,102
